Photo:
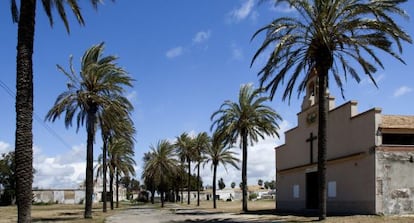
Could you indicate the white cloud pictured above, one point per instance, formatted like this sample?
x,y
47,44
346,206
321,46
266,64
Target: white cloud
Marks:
x,y
243,12
202,36
402,91
236,52
199,37
5,147
282,7
174,52
132,96
367,81
61,171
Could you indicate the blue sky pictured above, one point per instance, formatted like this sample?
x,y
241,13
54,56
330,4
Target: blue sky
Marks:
x,y
187,57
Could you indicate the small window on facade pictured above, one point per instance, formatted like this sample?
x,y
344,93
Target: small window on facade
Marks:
x,y
296,191
332,189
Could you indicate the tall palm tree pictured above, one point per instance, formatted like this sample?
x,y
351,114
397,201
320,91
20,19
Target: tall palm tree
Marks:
x,y
321,41
120,163
113,126
100,85
25,17
218,153
249,119
201,143
161,166
185,151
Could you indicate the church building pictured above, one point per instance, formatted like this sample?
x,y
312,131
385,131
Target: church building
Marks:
x,y
370,160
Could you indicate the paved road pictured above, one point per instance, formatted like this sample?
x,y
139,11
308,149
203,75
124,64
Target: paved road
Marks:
x,y
173,213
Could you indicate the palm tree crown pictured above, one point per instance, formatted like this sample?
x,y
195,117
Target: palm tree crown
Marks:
x,y
249,119
323,40
324,36
217,154
161,165
249,116
100,86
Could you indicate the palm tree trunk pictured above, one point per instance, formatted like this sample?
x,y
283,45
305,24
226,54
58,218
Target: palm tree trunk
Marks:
x,y
189,181
244,169
111,188
117,188
182,183
198,184
152,194
182,196
177,194
104,151
89,160
162,199
214,185
322,146
24,110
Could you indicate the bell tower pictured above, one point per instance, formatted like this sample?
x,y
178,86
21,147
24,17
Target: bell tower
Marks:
x,y
312,91
311,96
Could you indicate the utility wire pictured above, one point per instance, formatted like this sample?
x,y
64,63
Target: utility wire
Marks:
x,y
36,117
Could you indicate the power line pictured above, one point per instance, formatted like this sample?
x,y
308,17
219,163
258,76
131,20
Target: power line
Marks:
x,y
36,117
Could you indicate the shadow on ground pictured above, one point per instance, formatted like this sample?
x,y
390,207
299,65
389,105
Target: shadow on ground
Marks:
x,y
262,216
57,219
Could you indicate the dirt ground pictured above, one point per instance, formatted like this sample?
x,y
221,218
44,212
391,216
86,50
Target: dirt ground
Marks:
x,y
259,211
56,213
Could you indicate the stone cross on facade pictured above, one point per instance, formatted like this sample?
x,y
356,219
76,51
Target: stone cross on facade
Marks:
x,y
310,140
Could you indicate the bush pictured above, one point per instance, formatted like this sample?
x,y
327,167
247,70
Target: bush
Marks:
x,y
252,196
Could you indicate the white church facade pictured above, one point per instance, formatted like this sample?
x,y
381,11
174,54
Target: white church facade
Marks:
x,y
370,161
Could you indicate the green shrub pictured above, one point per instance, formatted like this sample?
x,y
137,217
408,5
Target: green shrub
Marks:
x,y
252,196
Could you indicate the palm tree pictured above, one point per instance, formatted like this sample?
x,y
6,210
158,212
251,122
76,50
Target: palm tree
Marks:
x,y
201,143
25,17
248,119
121,162
320,41
100,85
184,149
148,180
161,166
218,153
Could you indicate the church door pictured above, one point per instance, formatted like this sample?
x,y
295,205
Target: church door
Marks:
x,y
312,198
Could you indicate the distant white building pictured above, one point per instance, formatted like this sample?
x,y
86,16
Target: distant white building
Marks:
x,y
230,193
59,196
75,196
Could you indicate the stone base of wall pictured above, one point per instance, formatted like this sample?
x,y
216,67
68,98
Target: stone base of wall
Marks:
x,y
394,181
